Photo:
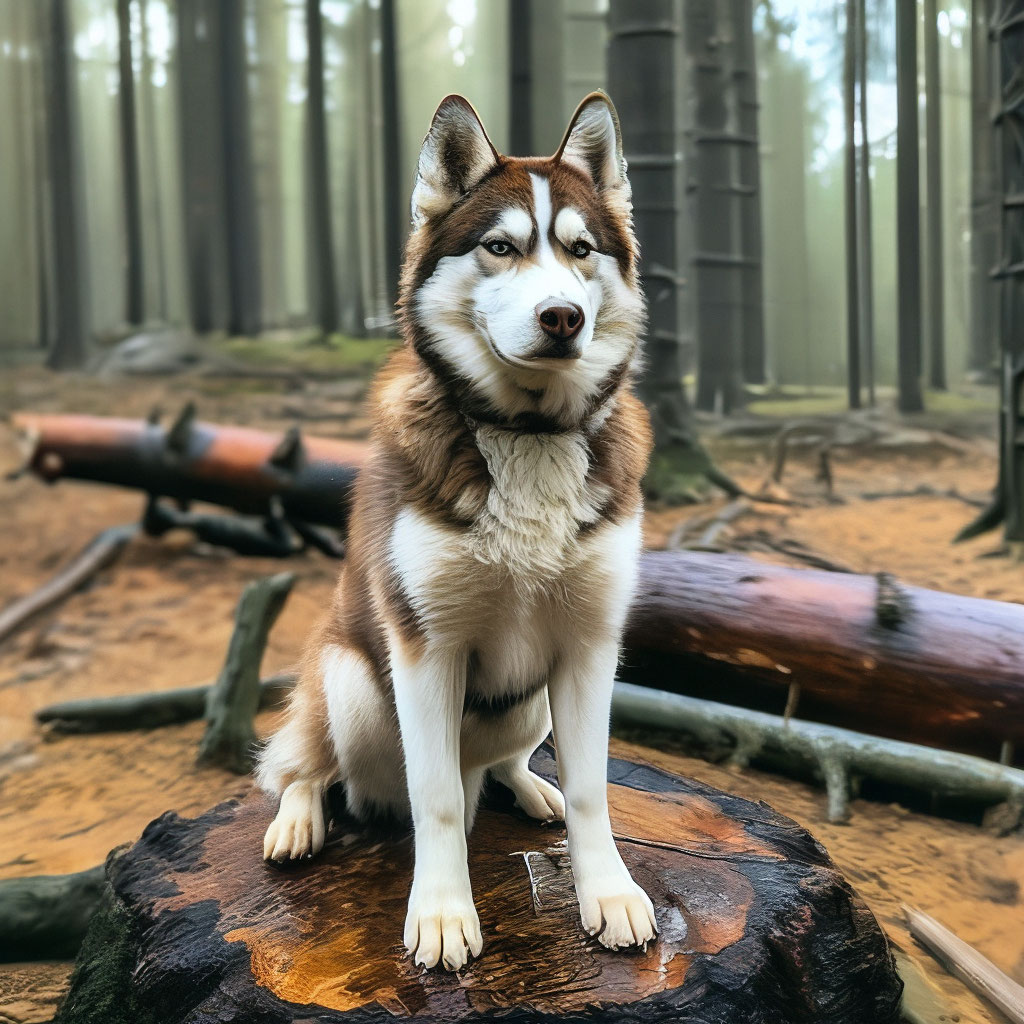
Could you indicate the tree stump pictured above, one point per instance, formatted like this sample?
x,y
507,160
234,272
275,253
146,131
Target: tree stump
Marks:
x,y
756,923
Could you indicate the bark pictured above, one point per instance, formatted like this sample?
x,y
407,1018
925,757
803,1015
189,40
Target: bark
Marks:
x,y
864,227
715,262
644,76
853,355
784,938
323,301
391,156
70,266
233,701
935,291
134,312
245,470
874,656
748,193
984,338
520,92
908,213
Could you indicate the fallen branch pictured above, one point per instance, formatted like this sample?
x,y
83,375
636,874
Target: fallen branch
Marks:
x,y
100,552
234,699
834,755
977,972
147,710
45,917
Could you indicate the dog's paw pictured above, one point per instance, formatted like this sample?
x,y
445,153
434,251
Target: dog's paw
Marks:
x,y
618,912
442,930
298,830
538,798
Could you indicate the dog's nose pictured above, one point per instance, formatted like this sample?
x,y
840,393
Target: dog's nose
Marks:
x,y
561,321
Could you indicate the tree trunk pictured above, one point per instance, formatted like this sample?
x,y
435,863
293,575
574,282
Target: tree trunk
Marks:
x,y
323,286
984,338
202,162
864,227
134,311
715,261
935,291
644,76
748,185
243,246
520,93
908,212
70,266
853,355
391,155
783,937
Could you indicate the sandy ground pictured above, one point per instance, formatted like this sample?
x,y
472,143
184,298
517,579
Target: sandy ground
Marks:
x,y
161,618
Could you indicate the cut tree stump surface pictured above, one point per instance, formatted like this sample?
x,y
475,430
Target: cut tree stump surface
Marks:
x,y
757,925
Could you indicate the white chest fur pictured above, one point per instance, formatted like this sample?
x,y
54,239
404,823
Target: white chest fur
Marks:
x,y
539,497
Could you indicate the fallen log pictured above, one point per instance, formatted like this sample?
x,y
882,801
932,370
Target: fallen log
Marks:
x,y
235,467
147,710
232,702
100,552
45,917
862,652
756,923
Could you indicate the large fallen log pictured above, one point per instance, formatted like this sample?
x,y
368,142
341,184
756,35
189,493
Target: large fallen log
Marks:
x,y
236,467
857,651
756,924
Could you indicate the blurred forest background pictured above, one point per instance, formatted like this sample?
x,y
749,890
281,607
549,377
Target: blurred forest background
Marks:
x,y
244,166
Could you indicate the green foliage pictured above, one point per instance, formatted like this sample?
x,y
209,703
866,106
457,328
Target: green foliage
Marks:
x,y
309,351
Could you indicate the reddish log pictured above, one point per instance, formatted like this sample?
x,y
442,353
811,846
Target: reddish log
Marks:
x,y
893,660
235,467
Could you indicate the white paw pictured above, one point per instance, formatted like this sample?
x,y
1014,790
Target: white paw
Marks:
x,y
298,830
444,929
538,798
618,912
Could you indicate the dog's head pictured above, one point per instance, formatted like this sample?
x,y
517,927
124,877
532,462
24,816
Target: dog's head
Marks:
x,y
520,286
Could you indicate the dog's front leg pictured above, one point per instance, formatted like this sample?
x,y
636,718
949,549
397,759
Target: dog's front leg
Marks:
x,y
441,923
612,905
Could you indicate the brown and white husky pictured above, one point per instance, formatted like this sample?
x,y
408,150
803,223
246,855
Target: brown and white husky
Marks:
x,y
495,532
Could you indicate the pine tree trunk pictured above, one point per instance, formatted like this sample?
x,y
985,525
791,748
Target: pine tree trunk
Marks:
x,y
71,278
850,208
715,262
864,228
520,110
243,246
935,291
134,312
908,211
749,193
323,302
984,337
394,206
644,72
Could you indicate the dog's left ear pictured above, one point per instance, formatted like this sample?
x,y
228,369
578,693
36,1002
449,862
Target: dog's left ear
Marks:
x,y
594,141
455,155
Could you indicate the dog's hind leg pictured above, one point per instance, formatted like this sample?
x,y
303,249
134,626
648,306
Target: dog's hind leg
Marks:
x,y
298,764
538,798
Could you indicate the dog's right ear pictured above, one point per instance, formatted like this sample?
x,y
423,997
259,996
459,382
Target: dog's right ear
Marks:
x,y
456,154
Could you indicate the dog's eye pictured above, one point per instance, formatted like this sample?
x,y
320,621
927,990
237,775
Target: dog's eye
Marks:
x,y
499,248
580,250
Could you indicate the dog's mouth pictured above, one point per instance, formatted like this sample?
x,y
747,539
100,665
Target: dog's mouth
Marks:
x,y
537,365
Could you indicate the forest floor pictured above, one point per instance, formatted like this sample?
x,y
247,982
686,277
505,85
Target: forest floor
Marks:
x,y
162,615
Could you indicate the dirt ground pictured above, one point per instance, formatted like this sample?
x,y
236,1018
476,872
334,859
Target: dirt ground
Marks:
x,y
161,618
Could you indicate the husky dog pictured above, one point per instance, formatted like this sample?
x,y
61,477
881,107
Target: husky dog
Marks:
x,y
494,535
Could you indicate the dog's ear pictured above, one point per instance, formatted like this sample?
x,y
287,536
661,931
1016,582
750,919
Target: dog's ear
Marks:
x,y
594,141
456,154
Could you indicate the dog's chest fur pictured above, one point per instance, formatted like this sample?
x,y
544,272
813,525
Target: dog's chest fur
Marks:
x,y
539,498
